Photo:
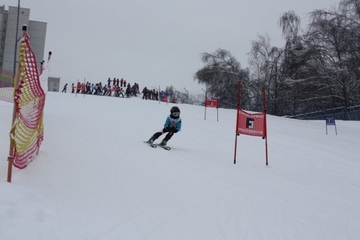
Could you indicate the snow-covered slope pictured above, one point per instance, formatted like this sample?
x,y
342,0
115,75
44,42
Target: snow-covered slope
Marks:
x,y
95,178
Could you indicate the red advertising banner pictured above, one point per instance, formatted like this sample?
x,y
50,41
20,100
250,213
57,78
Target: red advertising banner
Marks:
x,y
211,103
251,124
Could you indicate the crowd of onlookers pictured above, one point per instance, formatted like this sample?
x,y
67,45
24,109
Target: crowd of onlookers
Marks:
x,y
150,94
153,94
115,88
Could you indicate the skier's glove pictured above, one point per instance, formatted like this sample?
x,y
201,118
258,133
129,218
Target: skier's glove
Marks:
x,y
173,130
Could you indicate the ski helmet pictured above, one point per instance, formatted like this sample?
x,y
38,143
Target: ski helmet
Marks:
x,y
175,112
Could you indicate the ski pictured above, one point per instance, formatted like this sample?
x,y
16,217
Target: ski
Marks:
x,y
153,145
164,147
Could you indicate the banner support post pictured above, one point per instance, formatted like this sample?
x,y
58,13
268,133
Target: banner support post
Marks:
x,y
330,121
265,125
205,104
237,122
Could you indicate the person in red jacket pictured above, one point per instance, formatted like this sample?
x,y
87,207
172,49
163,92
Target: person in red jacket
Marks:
x,y
78,87
83,88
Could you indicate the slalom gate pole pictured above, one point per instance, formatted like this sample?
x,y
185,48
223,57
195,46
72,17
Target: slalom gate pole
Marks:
x,y
205,105
237,121
265,125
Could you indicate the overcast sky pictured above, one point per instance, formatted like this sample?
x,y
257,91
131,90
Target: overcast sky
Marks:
x,y
154,42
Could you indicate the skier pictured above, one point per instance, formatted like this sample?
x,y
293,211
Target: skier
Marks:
x,y
172,125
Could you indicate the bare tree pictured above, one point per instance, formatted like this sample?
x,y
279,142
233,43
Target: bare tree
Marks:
x,y
265,63
336,36
221,75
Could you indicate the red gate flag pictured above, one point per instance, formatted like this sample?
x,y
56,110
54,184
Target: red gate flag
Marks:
x,y
330,121
211,103
251,124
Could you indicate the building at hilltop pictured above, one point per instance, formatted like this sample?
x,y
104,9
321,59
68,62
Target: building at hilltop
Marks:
x,y
8,24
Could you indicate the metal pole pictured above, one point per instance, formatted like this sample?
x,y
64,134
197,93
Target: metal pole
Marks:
x,y
237,120
85,87
205,105
16,37
159,97
16,75
187,96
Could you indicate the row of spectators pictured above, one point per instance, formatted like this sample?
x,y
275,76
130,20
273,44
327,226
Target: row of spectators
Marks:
x,y
153,94
115,88
112,88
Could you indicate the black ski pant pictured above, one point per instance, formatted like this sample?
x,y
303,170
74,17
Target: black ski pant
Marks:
x,y
158,134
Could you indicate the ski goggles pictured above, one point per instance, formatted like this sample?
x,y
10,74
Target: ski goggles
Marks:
x,y
176,114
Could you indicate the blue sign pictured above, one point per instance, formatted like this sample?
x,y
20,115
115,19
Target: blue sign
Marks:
x,y
330,121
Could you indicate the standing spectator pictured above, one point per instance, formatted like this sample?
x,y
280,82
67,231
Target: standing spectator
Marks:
x,y
64,88
72,88
78,87
88,88
133,90
116,91
121,92
145,93
128,91
92,90
136,88
105,89
83,88
100,89
109,81
117,82
121,82
97,89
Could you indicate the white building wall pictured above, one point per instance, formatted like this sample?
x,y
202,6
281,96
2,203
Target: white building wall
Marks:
x,y
10,28
53,84
36,31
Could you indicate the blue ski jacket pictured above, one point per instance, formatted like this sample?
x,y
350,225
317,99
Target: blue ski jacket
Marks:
x,y
173,123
